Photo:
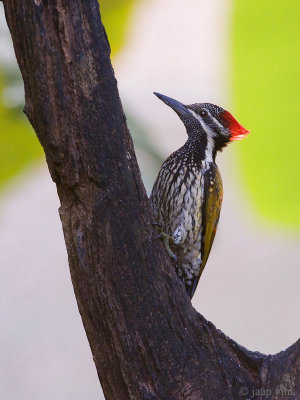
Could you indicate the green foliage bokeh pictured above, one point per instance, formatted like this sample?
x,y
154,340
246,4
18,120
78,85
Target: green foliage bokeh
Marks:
x,y
18,143
115,16
266,65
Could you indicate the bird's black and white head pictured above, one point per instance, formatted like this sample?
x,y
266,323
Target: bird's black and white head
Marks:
x,y
210,126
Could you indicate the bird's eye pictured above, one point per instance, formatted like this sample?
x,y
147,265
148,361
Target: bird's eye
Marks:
x,y
203,113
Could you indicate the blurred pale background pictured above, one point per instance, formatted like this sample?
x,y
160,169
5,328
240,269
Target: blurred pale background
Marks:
x,y
241,55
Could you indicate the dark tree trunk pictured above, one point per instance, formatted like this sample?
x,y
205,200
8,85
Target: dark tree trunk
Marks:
x,y
147,340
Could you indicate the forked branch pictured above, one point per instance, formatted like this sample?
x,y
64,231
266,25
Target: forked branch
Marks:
x,y
147,340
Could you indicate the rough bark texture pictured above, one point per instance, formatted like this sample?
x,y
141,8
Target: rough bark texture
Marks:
x,y
147,340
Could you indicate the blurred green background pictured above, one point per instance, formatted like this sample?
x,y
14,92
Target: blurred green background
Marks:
x,y
265,63
266,84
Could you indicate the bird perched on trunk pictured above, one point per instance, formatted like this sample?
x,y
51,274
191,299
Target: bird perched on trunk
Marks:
x,y
187,195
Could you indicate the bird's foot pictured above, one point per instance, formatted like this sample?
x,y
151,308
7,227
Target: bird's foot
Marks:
x,y
167,239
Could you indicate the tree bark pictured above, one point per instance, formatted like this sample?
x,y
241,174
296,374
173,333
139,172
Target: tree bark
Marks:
x,y
147,340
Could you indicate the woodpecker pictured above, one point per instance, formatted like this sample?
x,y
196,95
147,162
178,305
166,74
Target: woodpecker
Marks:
x,y
187,195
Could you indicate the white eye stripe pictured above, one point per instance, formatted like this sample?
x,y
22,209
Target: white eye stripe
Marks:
x,y
207,128
218,123
210,135
196,116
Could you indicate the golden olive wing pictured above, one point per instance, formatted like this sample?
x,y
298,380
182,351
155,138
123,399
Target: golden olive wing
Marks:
x,y
213,196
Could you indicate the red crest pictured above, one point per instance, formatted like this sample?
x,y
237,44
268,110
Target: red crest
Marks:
x,y
238,132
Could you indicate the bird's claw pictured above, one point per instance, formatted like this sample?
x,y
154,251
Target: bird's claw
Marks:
x,y
166,240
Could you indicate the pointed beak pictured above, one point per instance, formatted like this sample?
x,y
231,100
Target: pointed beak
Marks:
x,y
178,107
